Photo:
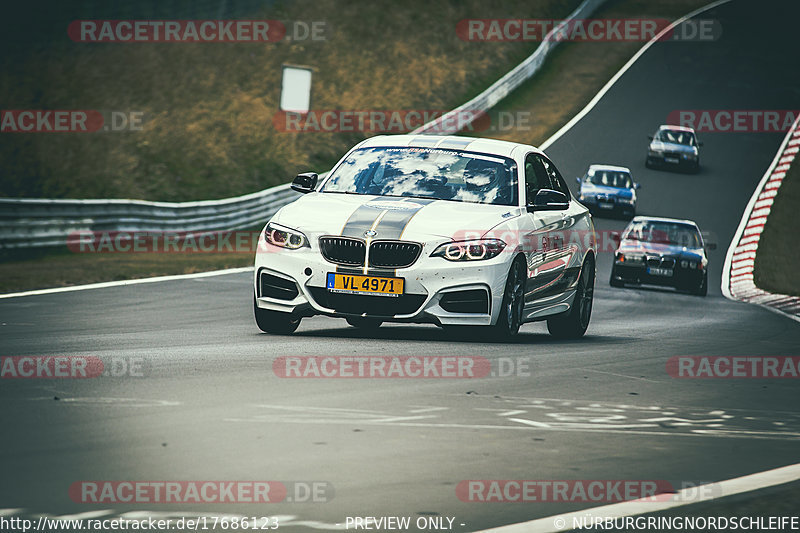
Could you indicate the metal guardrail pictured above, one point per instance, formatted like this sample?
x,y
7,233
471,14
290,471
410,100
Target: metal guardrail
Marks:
x,y
472,110
30,223
35,222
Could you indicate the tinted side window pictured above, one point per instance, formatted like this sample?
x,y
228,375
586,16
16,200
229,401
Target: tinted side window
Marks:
x,y
556,181
536,177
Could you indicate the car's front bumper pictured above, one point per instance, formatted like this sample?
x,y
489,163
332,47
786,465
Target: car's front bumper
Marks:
x,y
429,289
681,278
673,159
610,206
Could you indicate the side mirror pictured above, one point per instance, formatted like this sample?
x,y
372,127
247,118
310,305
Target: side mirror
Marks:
x,y
699,143
549,200
305,182
616,237
637,186
578,180
650,137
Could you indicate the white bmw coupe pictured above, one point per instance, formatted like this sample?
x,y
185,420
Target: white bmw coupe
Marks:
x,y
454,231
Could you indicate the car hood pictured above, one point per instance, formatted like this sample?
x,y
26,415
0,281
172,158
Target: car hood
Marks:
x,y
639,247
671,147
591,188
414,219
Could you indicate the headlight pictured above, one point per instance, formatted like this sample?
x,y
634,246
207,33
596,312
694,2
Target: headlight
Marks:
x,y
629,258
625,200
650,151
476,250
284,237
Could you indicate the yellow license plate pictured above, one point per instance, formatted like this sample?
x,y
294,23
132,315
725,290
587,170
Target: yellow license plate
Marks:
x,y
354,284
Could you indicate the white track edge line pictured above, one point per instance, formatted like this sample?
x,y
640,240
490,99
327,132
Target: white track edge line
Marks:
x,y
688,496
120,283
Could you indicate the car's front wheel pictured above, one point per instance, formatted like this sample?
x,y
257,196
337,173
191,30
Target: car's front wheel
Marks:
x,y
513,302
274,322
573,323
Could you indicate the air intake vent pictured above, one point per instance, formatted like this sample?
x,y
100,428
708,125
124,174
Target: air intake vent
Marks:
x,y
278,288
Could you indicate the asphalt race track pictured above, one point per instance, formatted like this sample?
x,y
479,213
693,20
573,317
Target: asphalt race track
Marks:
x,y
208,406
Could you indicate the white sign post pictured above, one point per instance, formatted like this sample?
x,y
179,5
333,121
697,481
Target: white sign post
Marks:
x,y
296,89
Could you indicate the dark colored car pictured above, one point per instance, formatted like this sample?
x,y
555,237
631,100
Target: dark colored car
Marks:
x,y
662,251
607,189
674,146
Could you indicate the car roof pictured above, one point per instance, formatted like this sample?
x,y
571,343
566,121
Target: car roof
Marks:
x,y
664,219
672,127
451,142
609,167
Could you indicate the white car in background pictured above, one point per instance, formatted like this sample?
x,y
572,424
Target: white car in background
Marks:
x,y
674,146
453,231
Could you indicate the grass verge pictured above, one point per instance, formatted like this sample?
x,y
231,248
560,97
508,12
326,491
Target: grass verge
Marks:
x,y
208,109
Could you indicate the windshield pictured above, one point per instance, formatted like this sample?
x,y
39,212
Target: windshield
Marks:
x,y
665,233
611,178
676,136
429,173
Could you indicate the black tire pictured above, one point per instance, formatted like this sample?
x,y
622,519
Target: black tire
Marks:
x,y
702,288
573,324
274,322
365,323
513,302
647,163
